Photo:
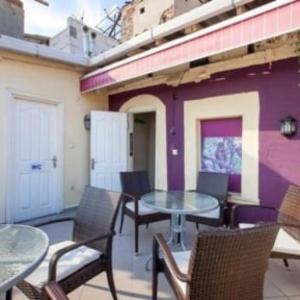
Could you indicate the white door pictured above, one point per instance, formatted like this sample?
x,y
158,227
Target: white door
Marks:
x,y
35,186
109,149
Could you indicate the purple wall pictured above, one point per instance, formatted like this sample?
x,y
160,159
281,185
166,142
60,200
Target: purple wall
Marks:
x,y
279,96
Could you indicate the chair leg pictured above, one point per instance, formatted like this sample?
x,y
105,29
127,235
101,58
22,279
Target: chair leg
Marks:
x,y
154,270
286,263
8,295
136,238
122,218
111,282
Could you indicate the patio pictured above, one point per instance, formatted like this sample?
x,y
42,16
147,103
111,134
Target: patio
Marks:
x,y
133,282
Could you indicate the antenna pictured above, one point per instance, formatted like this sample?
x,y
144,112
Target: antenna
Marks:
x,y
110,24
42,2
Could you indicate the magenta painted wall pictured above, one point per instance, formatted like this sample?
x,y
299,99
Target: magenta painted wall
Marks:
x,y
231,127
279,96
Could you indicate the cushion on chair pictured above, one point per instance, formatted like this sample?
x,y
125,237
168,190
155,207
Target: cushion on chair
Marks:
x,y
143,210
212,214
67,264
182,260
246,225
285,243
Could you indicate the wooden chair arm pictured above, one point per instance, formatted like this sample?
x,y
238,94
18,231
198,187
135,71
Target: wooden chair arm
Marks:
x,y
289,225
53,291
169,258
58,254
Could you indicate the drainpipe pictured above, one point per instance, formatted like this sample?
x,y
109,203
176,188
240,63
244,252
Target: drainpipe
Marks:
x,y
86,43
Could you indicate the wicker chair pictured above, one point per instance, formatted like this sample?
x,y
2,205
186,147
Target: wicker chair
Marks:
x,y
134,185
72,263
287,245
52,291
223,264
216,185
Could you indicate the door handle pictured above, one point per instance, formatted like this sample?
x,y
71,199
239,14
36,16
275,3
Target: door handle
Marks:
x,y
54,161
93,164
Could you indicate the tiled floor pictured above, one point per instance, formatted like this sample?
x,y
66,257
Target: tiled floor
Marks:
x,y
133,282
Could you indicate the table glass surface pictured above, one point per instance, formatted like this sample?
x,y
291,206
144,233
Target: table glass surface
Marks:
x,y
180,202
21,250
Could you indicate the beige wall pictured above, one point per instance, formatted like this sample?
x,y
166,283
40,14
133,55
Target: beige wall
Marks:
x,y
50,81
152,15
182,7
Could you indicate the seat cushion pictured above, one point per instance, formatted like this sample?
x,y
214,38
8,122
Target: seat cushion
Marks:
x,y
143,210
285,243
67,264
212,214
182,260
246,225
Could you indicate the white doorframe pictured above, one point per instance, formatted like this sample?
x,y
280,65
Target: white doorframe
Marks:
x,y
13,96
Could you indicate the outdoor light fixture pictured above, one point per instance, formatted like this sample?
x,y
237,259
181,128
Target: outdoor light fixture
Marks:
x,y
288,126
87,122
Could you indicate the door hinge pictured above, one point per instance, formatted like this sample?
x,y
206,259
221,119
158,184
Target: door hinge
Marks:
x,y
54,161
93,164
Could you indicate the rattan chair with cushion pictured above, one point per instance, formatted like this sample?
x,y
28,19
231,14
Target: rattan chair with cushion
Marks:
x,y
223,264
216,185
287,245
52,291
134,185
74,262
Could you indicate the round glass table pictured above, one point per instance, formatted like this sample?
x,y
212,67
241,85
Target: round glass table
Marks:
x,y
22,248
179,204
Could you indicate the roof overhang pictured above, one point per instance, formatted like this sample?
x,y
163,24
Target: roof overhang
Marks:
x,y
269,21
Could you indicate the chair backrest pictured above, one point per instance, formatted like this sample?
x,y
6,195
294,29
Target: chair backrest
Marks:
x,y
96,215
214,184
289,211
230,264
135,183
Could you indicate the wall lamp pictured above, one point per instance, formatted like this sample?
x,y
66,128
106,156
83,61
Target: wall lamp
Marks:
x,y
288,126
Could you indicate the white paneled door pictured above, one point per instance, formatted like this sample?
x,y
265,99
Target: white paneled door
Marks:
x,y
109,131
35,186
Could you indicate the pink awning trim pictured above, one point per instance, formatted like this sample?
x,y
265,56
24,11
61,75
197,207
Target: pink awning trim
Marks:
x,y
260,27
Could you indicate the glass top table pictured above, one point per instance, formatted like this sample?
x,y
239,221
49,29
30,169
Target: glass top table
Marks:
x,y
179,204
22,248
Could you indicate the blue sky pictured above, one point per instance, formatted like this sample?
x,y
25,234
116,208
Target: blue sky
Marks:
x,y
50,20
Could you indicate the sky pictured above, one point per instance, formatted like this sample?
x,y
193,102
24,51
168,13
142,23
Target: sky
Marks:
x,y
43,20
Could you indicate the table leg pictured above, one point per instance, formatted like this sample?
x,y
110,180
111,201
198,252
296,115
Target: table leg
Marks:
x,y
176,235
177,231
8,295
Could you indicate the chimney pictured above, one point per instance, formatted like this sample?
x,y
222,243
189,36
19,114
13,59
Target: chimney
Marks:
x,y
12,18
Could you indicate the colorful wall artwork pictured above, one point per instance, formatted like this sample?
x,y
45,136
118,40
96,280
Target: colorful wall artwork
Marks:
x,y
222,155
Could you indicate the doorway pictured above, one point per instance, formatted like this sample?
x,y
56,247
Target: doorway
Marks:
x,y
144,132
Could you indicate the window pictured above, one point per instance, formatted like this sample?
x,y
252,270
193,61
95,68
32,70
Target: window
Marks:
x,y
73,32
142,10
221,141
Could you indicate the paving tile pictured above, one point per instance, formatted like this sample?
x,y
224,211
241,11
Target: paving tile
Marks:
x,y
134,282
